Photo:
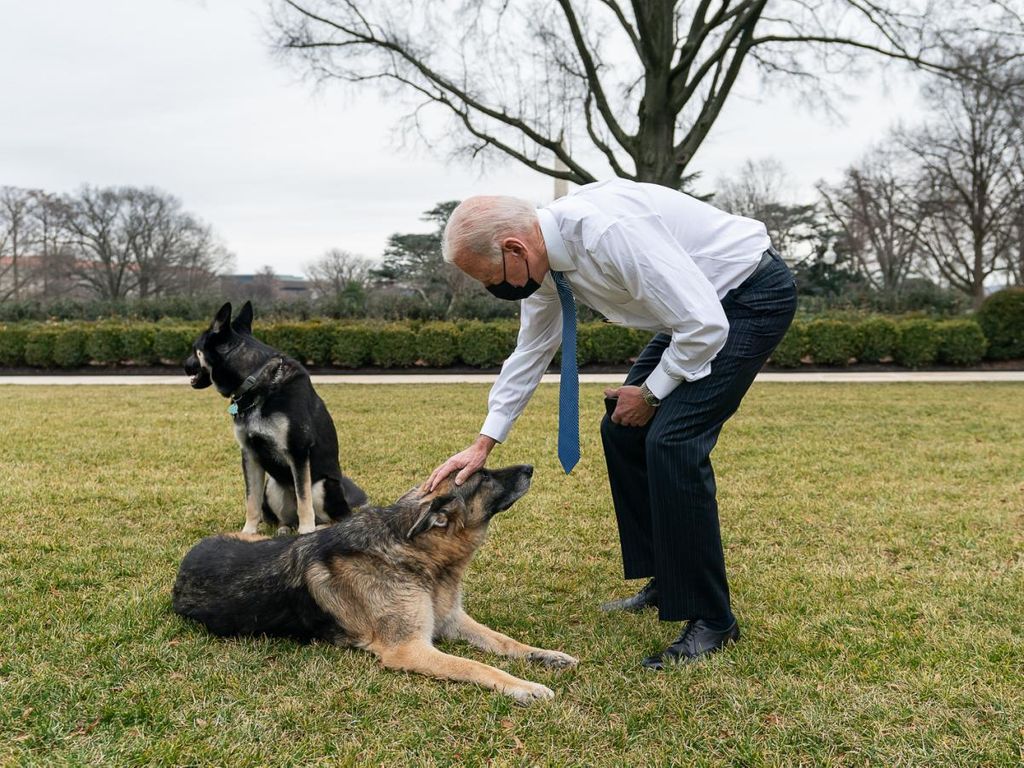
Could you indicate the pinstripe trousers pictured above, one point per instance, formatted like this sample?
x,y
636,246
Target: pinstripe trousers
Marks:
x,y
662,481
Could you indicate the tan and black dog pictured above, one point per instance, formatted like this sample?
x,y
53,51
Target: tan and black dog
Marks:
x,y
288,441
388,580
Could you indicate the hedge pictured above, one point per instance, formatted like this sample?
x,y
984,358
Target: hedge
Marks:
x,y
913,342
961,342
438,344
877,339
394,346
486,344
105,345
1001,318
793,348
70,348
39,347
12,345
918,343
831,342
353,346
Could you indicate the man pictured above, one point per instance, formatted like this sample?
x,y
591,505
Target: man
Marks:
x,y
719,300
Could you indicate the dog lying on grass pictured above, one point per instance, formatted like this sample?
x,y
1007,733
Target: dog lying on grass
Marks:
x,y
288,441
385,580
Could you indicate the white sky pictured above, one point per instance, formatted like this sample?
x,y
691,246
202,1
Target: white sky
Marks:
x,y
185,95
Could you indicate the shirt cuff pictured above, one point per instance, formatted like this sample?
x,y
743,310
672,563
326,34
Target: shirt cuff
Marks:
x,y
662,384
496,426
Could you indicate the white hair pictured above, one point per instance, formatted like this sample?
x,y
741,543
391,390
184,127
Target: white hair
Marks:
x,y
479,224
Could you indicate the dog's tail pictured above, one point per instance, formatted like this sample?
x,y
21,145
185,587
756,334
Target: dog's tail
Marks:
x,y
355,496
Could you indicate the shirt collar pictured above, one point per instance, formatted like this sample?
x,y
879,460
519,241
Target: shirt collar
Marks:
x,y
558,256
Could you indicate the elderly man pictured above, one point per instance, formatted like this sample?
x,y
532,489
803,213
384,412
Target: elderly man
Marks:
x,y
719,299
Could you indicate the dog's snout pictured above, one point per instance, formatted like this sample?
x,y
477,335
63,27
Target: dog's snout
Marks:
x,y
528,470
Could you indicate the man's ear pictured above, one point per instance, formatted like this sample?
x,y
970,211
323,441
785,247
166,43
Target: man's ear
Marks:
x,y
514,246
221,319
436,514
243,323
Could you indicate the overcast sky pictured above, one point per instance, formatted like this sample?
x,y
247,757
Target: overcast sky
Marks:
x,y
185,95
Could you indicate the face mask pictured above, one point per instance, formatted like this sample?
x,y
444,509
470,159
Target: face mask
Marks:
x,y
505,290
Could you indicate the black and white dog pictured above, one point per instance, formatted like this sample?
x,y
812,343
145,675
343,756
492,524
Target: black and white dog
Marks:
x,y
281,424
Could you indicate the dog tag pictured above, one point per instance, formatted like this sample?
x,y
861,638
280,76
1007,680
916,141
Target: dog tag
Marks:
x,y
233,409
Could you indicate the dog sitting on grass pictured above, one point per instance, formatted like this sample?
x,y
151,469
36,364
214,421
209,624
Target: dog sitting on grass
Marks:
x,y
386,580
288,440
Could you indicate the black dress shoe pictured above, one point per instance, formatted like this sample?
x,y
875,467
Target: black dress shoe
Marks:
x,y
647,597
697,641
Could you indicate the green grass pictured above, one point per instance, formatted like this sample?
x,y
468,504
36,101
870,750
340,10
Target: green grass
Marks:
x,y
874,541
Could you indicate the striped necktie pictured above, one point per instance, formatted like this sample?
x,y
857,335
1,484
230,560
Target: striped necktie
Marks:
x,y
569,386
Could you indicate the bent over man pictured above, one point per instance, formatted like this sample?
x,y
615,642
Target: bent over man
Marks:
x,y
718,299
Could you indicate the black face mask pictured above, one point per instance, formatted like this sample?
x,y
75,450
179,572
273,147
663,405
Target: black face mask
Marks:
x,y
505,290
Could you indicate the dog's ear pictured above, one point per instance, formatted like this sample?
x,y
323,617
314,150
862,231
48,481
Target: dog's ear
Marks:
x,y
243,323
439,513
221,319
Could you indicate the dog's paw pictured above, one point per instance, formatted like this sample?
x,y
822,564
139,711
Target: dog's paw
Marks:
x,y
250,528
284,530
553,659
526,693
306,529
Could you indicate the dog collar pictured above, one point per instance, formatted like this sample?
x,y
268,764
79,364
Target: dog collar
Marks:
x,y
250,382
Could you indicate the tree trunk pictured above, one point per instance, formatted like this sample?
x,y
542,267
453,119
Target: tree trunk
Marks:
x,y
655,137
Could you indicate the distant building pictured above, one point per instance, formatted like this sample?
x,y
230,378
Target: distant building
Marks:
x,y
266,287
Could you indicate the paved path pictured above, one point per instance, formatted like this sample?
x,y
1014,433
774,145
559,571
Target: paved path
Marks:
x,y
845,377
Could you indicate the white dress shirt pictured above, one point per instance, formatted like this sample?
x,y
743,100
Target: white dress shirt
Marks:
x,y
644,256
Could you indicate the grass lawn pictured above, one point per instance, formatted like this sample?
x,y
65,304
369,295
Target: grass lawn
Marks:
x,y
874,541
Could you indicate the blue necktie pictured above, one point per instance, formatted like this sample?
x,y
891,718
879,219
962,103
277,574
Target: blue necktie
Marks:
x,y
569,386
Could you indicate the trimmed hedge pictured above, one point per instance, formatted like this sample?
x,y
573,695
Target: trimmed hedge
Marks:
x,y
70,348
831,342
12,345
486,344
438,344
39,347
137,343
1001,318
394,346
877,339
912,342
918,343
961,342
353,346
172,344
318,345
105,346
793,348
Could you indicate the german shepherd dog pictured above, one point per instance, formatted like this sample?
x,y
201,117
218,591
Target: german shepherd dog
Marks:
x,y
386,580
281,424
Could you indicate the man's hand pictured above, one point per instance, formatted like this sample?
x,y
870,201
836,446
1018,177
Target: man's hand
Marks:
x,y
466,462
631,410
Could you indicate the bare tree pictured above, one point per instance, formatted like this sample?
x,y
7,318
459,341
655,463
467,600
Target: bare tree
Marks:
x,y
970,157
876,209
52,275
100,239
17,233
337,271
173,251
638,86
760,190
127,241
1015,259
264,285
199,259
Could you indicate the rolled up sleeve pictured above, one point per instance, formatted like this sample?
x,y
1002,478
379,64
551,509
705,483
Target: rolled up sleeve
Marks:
x,y
658,272
540,334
